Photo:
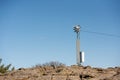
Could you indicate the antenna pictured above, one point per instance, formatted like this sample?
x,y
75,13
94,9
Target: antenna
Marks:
x,y
79,55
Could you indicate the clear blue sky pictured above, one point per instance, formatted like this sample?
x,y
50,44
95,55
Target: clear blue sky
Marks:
x,y
38,31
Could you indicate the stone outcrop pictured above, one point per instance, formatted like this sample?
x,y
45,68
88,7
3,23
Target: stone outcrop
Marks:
x,y
63,73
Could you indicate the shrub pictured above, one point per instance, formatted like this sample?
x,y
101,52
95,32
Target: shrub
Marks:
x,y
3,68
53,64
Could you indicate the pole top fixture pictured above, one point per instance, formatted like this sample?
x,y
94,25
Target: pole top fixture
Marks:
x,y
76,28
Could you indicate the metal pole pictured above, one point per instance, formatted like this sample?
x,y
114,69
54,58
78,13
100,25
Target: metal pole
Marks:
x,y
78,51
78,56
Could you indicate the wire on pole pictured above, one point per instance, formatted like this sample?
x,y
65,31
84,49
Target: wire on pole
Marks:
x,y
100,33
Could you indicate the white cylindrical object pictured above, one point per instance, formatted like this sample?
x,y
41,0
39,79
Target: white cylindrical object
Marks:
x,y
82,55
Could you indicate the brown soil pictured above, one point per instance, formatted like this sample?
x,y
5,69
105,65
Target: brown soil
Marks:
x,y
63,73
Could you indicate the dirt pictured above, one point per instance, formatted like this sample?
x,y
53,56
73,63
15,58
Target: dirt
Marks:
x,y
73,72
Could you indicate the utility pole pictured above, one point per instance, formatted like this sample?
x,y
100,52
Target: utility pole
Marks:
x,y
79,55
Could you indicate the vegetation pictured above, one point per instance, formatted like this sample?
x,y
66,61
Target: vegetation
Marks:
x,y
4,69
53,64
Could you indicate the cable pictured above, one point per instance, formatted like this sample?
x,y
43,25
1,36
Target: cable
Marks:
x,y
99,33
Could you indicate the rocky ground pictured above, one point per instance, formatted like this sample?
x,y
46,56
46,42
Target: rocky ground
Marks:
x,y
63,73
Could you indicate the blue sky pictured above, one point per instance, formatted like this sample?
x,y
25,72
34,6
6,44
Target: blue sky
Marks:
x,y
38,31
